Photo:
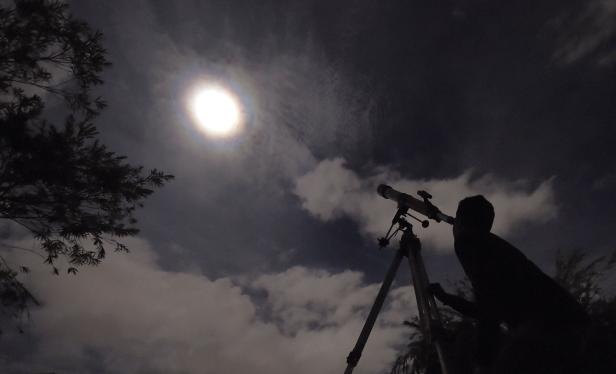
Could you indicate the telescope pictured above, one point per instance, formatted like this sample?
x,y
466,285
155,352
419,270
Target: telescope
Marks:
x,y
410,247
407,201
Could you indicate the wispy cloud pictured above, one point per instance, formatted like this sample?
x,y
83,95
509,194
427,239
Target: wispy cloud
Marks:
x,y
589,33
297,102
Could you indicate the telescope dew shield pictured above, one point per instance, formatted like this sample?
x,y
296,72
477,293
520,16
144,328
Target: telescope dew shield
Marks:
x,y
405,200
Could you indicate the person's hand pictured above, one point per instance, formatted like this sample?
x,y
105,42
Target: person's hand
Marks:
x,y
437,291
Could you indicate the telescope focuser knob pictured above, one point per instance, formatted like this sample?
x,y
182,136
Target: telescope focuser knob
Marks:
x,y
424,223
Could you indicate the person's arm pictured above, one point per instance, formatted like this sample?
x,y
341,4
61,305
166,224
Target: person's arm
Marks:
x,y
458,303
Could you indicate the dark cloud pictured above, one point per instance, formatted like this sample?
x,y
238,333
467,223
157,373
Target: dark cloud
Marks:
x,y
588,34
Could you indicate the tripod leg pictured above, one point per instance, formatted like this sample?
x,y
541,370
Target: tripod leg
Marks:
x,y
355,354
425,282
428,312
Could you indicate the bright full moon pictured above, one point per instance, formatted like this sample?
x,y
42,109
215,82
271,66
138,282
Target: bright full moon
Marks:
x,y
216,111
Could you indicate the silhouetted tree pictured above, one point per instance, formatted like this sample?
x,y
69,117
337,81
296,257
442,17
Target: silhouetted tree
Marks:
x,y
57,180
583,278
576,273
420,357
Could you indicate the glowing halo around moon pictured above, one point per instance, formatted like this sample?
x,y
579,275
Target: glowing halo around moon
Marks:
x,y
216,111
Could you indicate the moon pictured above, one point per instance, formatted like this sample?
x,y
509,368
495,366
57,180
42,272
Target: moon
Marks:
x,y
216,111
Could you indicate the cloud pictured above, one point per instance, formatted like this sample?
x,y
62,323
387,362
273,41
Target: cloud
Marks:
x,y
589,32
604,182
331,191
135,317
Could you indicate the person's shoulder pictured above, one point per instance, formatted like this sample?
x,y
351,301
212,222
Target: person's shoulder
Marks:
x,y
471,246
510,254
497,240
483,240
504,247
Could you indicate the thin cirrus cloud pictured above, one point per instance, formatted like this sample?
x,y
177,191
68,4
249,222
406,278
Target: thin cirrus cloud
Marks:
x,y
133,316
331,190
589,32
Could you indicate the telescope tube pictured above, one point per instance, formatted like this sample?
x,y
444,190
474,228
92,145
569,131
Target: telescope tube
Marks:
x,y
413,203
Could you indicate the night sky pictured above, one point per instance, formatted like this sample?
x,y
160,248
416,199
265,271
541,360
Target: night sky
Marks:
x,y
261,255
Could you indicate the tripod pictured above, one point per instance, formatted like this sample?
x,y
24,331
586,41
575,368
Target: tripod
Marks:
x,y
429,318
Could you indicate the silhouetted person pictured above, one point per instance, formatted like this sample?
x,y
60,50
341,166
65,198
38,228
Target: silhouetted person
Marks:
x,y
508,288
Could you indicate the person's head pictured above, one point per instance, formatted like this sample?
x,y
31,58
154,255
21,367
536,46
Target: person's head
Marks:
x,y
475,215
